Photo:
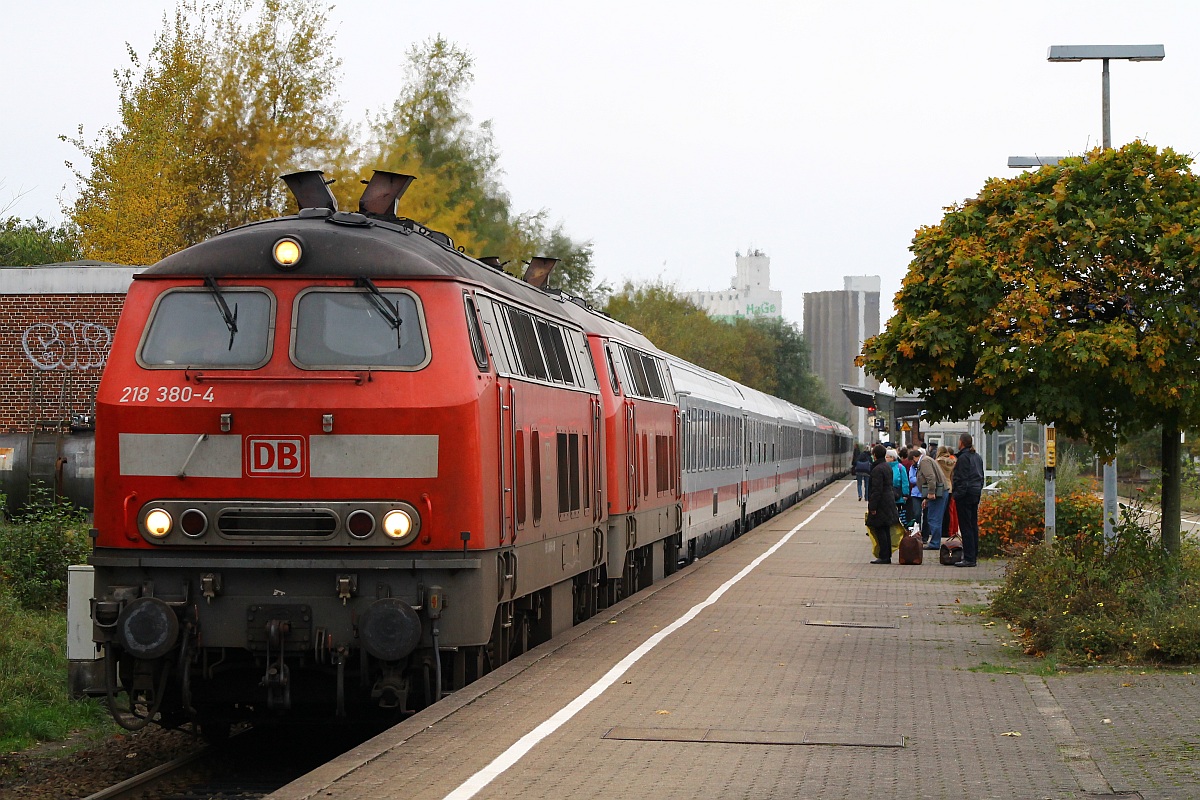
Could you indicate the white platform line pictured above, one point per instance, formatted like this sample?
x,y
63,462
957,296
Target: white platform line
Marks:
x,y
473,785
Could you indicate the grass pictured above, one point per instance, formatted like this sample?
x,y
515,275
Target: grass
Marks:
x,y
1043,667
35,550
34,703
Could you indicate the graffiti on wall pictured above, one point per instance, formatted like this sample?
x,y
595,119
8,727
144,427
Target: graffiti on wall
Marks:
x,y
71,345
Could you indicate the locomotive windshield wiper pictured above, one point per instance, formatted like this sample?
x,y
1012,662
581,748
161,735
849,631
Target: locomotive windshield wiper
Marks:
x,y
229,316
391,315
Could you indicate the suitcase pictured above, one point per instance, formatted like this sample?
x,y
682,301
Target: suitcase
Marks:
x,y
911,548
951,550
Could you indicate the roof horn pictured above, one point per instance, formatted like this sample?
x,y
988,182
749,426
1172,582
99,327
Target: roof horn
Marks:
x,y
383,190
310,189
539,271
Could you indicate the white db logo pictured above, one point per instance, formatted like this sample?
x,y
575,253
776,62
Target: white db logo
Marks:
x,y
274,457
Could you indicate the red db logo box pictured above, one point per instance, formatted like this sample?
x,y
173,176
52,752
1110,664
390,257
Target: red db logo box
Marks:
x,y
275,457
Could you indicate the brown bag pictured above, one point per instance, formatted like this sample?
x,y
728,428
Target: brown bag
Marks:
x,y
951,550
911,548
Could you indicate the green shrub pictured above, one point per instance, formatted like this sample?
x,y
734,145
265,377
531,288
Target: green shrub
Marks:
x,y
44,538
1087,600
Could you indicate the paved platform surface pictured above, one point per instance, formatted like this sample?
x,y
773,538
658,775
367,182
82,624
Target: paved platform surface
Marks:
x,y
813,675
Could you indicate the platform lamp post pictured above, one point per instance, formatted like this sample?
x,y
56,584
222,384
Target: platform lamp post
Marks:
x,y
1106,53
1051,521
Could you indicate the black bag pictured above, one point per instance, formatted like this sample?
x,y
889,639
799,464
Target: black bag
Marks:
x,y
951,551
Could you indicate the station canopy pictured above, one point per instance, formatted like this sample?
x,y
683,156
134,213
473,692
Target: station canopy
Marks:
x,y
903,407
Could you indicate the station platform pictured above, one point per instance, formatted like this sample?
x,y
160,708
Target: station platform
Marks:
x,y
786,666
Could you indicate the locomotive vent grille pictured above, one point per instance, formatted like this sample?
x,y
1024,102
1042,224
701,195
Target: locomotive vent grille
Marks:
x,y
277,522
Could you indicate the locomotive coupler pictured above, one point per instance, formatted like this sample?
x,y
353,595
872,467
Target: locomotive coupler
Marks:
x,y
277,680
339,658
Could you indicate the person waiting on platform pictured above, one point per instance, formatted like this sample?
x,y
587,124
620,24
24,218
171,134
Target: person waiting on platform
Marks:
x,y
933,485
899,485
882,511
862,471
968,485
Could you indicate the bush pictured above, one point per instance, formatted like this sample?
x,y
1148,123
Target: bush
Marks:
x,y
1013,518
45,537
1087,600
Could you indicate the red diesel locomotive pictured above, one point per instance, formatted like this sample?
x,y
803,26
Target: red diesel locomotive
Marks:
x,y
343,468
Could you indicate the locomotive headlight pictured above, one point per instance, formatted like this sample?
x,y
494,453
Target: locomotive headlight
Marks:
x,y
158,523
397,524
287,253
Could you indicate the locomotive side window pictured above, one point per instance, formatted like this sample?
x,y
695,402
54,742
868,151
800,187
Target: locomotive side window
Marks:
x,y
188,329
646,374
529,346
555,349
343,328
638,372
477,348
612,370
533,365
653,380
494,329
583,355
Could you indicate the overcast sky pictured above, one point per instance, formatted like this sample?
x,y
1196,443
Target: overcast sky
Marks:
x,y
674,134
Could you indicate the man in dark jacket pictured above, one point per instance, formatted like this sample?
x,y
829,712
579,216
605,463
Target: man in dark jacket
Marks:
x,y
967,481
881,504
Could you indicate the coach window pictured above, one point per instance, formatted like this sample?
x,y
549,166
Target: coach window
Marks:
x,y
188,329
348,328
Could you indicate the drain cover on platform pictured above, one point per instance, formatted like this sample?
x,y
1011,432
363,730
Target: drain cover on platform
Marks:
x,y
726,736
833,623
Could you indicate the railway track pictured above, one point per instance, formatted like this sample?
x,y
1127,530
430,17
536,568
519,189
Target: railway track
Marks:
x,y
251,765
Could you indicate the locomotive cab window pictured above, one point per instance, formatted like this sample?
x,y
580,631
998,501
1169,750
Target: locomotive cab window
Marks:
x,y
350,328
217,327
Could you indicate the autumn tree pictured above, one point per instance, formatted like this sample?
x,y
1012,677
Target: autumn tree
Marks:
x,y
429,132
231,95
140,184
274,110
1069,295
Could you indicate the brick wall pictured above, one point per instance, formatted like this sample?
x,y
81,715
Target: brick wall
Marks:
x,y
56,327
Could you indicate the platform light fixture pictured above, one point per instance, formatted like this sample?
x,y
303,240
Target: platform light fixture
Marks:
x,y
1106,53
1033,162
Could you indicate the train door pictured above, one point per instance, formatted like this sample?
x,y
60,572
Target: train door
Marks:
x,y
510,439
